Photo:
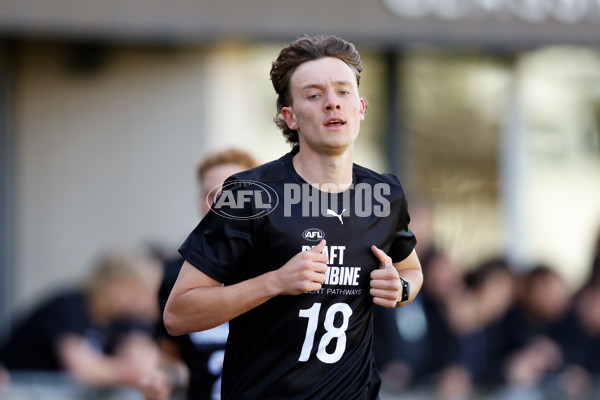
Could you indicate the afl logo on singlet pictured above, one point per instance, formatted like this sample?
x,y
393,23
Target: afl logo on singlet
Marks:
x,y
313,234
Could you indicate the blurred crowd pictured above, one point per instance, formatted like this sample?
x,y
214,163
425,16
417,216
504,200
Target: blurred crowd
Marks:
x,y
99,332
494,331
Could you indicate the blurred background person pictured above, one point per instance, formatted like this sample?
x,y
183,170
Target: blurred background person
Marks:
x,y
578,335
444,294
530,331
469,323
582,341
492,292
194,361
100,334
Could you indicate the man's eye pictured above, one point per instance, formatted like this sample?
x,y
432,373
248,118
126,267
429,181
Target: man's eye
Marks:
x,y
314,96
344,92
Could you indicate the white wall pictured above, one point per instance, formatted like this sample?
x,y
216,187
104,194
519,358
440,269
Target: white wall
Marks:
x,y
109,159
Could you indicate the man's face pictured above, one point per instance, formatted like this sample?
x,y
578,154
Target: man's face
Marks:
x,y
213,178
326,108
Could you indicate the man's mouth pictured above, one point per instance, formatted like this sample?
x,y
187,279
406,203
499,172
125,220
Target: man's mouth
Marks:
x,y
335,122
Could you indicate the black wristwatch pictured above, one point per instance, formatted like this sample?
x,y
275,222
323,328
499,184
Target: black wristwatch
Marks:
x,y
405,291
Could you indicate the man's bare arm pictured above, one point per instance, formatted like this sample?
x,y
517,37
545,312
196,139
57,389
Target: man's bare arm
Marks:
x,y
198,302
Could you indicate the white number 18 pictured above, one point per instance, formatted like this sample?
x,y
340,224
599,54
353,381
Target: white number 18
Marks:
x,y
333,332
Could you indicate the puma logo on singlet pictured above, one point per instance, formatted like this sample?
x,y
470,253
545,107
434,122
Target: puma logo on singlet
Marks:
x,y
330,212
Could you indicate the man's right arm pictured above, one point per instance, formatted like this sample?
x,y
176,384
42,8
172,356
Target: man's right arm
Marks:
x,y
199,302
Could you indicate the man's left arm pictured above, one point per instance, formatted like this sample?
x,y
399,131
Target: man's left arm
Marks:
x,y
395,284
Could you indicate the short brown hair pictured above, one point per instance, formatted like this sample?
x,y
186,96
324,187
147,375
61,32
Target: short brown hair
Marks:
x,y
303,49
228,156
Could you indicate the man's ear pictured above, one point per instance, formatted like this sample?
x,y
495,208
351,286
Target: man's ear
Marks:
x,y
363,108
290,118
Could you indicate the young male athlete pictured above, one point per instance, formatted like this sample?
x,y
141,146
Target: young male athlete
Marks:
x,y
294,253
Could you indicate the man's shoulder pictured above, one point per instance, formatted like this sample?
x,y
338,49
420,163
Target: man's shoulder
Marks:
x,y
270,172
366,175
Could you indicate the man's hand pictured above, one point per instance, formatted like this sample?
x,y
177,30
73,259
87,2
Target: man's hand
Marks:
x,y
386,288
155,386
303,272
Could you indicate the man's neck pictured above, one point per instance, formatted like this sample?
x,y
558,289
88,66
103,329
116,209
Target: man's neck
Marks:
x,y
330,173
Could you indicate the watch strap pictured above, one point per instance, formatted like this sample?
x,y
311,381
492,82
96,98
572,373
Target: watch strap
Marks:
x,y
405,290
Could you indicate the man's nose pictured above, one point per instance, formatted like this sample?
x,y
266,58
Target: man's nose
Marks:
x,y
331,101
